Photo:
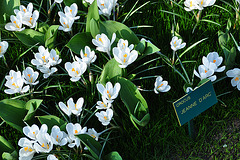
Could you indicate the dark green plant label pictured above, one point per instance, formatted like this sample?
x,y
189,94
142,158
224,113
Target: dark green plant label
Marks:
x,y
194,103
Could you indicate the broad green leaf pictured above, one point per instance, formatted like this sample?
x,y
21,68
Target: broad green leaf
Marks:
x,y
8,156
93,146
202,82
121,30
93,13
150,48
70,2
32,106
230,60
134,101
79,41
141,46
50,36
5,146
51,120
43,27
12,112
94,27
113,156
30,37
7,8
111,70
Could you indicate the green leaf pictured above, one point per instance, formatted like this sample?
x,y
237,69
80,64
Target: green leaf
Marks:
x,y
113,156
51,120
93,146
5,146
111,70
7,8
230,60
141,46
43,27
150,48
30,37
121,30
94,27
79,41
8,156
93,13
32,106
51,36
202,82
12,112
70,2
134,101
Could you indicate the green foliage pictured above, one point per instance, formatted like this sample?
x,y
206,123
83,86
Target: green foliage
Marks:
x,y
51,120
93,14
93,146
121,30
14,112
43,27
5,146
135,103
113,156
94,27
79,41
51,36
7,8
30,37
110,71
8,156
69,2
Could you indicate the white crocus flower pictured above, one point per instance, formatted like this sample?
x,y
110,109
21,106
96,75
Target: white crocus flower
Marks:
x,y
29,76
213,58
13,75
25,10
44,143
160,85
105,116
47,71
191,5
42,57
110,92
67,109
177,44
106,7
123,44
15,24
31,132
58,137
58,1
31,20
73,130
205,72
72,11
103,104
205,3
235,74
78,107
66,22
91,132
27,151
3,48
54,58
16,86
124,57
52,157
103,43
87,56
75,70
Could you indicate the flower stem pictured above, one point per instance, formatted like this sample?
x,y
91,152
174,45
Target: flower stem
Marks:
x,y
5,62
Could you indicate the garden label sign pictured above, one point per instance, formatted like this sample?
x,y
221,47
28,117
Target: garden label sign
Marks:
x,y
194,103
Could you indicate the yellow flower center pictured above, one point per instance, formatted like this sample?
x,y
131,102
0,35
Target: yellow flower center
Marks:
x,y
175,42
76,131
33,132
11,77
100,39
75,105
105,117
214,61
205,71
15,85
16,24
93,135
25,148
24,10
104,104
29,75
202,2
30,21
77,72
191,4
44,58
43,145
73,69
85,54
70,10
236,79
30,149
66,24
53,58
160,85
102,4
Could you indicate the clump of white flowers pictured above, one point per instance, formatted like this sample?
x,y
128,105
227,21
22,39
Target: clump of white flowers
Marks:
x,y
106,7
210,66
176,43
24,16
44,61
68,17
16,80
